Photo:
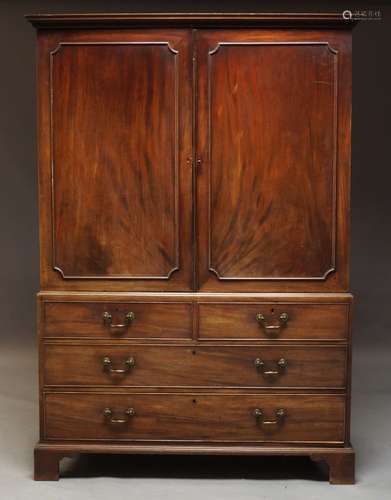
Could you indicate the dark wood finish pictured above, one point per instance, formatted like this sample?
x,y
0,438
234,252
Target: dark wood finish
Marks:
x,y
68,448
177,39
194,177
316,453
115,133
271,158
84,319
196,297
115,212
306,322
197,366
341,466
272,188
196,19
194,417
46,465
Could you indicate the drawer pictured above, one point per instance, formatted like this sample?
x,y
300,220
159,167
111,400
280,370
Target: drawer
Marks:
x,y
195,417
265,321
119,320
201,366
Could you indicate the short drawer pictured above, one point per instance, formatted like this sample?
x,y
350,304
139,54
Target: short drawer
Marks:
x,y
198,366
195,417
117,320
266,321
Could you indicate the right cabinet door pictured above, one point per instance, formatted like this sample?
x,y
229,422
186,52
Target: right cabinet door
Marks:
x,y
273,140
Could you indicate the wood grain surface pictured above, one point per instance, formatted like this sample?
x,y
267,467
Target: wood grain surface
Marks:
x,y
272,194
194,417
196,366
84,319
115,136
305,321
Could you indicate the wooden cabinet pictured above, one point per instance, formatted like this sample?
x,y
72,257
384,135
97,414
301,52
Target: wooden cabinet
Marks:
x,y
194,229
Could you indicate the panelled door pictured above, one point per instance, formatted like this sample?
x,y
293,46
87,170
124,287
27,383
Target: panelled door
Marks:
x,y
264,115
273,126
115,176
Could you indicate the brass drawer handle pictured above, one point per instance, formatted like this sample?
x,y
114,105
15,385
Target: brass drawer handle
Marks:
x,y
107,365
272,330
107,320
108,414
281,366
280,416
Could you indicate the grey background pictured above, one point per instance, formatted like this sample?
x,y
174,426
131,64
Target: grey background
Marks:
x,y
370,282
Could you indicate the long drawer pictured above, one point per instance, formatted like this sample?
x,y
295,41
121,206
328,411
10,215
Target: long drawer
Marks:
x,y
194,417
197,366
273,321
108,320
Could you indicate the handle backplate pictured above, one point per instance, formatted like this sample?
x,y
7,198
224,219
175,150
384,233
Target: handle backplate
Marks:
x,y
108,414
108,366
108,320
281,366
280,414
272,330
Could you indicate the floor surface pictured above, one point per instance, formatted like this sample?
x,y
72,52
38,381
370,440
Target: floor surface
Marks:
x,y
152,478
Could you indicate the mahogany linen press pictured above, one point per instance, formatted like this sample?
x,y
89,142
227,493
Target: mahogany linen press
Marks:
x,y
194,179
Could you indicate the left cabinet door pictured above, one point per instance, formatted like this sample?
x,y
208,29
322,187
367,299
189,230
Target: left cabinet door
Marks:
x,y
115,146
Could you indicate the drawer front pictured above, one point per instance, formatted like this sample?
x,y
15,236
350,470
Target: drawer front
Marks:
x,y
195,417
118,320
201,366
266,321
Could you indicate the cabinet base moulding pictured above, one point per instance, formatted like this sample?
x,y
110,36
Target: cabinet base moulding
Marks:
x,y
47,457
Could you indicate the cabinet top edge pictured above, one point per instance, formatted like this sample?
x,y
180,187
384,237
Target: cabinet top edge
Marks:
x,y
199,19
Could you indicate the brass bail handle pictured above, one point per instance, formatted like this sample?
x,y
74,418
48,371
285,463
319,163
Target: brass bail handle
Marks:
x,y
107,320
272,330
281,366
280,414
108,414
108,365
